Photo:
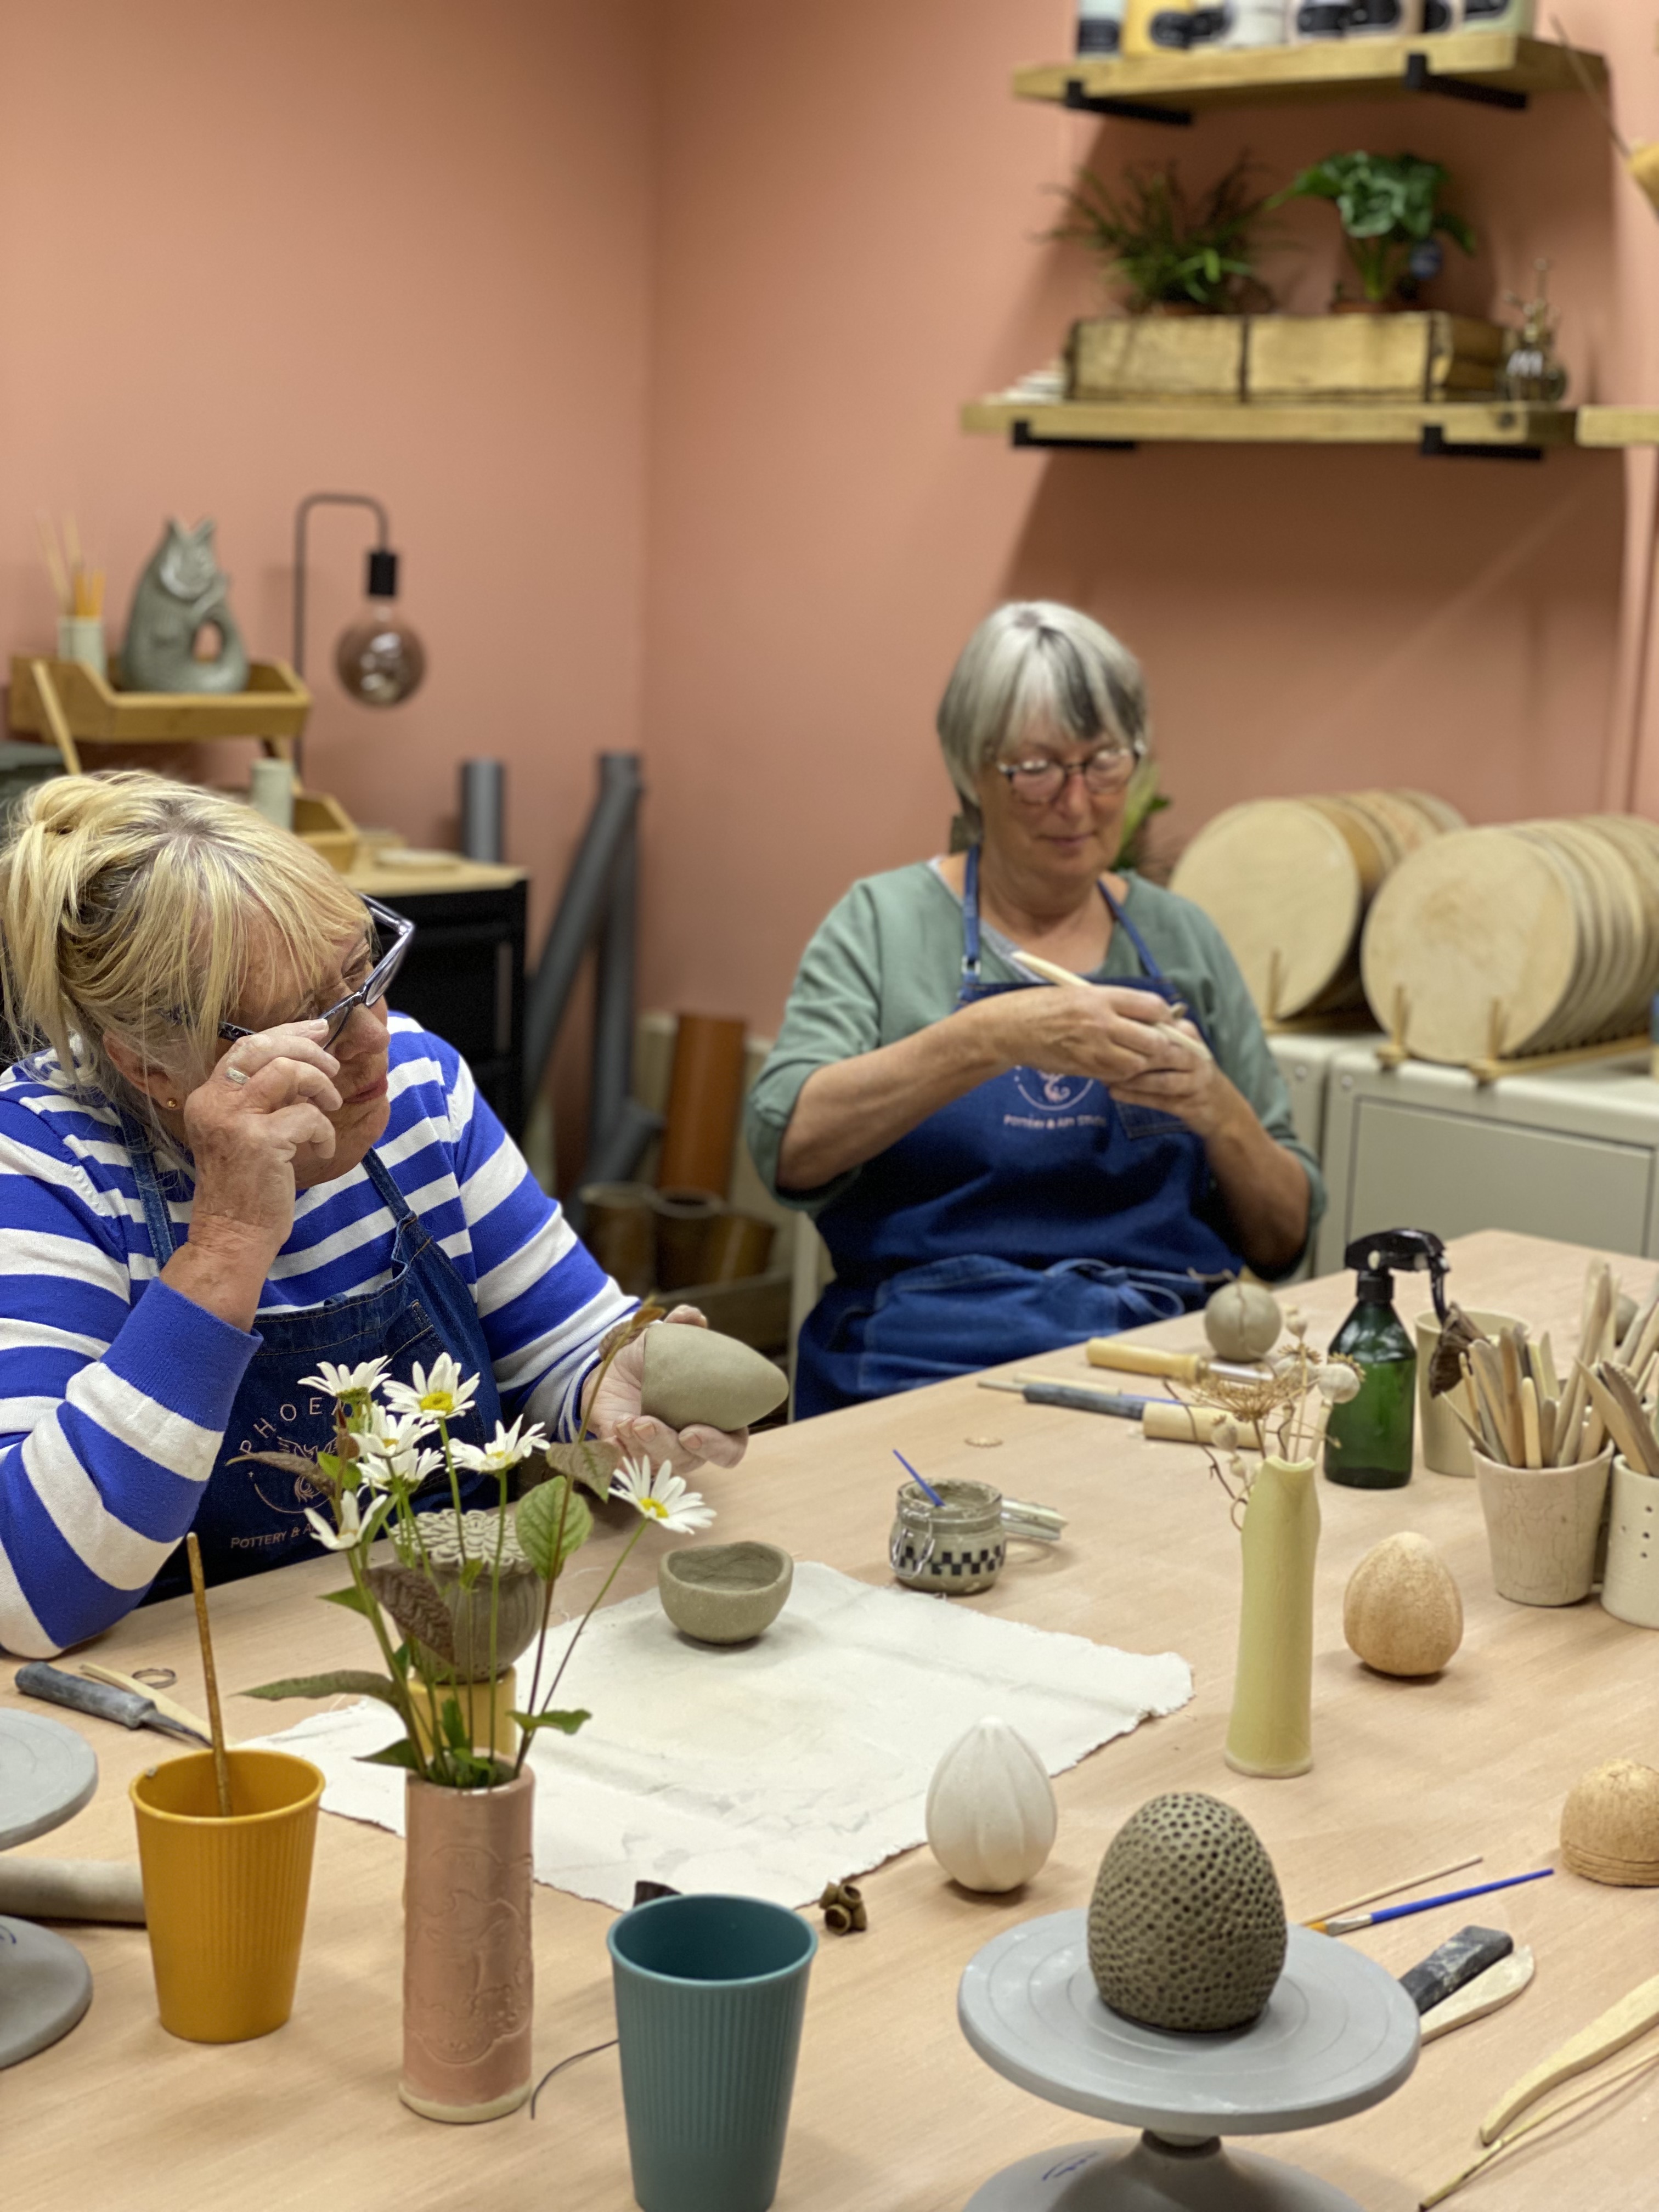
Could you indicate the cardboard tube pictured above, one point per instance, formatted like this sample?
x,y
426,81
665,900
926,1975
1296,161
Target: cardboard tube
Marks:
x,y
736,1245
622,1232
73,1889
685,1220
704,1095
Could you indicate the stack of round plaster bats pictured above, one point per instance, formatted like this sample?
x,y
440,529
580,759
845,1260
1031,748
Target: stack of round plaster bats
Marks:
x,y
1288,883
1532,937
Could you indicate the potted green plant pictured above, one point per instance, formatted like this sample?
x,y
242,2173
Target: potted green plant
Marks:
x,y
445,1608
1162,249
1389,207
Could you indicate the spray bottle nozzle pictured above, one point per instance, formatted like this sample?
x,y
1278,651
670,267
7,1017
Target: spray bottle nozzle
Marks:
x,y
1389,1252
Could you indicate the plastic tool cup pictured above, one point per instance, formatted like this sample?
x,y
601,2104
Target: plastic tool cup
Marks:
x,y
710,1992
226,1899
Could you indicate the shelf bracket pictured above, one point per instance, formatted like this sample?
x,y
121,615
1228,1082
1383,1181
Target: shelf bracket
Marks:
x,y
1020,433
1420,78
1436,446
1081,101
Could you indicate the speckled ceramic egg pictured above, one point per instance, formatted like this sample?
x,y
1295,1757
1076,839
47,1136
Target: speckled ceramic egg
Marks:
x,y
1243,1322
1401,1612
1187,1925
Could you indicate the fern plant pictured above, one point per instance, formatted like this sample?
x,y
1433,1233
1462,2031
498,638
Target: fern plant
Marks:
x,y
1162,246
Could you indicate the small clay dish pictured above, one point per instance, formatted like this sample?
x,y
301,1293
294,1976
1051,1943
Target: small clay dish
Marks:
x,y
725,1593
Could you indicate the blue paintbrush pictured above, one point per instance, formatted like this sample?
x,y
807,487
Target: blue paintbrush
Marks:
x,y
921,1482
1347,1922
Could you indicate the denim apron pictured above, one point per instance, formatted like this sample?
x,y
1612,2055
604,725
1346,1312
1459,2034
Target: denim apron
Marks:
x,y
1032,1211
252,1517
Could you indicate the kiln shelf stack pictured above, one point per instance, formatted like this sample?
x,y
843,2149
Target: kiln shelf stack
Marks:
x,y
1339,2034
47,1773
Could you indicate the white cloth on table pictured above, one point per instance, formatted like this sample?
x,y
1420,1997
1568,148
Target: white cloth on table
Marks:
x,y
772,1767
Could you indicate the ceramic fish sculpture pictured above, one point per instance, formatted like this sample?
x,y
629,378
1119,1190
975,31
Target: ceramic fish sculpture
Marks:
x,y
181,592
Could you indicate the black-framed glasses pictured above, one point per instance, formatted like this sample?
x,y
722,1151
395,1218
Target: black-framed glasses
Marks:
x,y
392,938
1040,782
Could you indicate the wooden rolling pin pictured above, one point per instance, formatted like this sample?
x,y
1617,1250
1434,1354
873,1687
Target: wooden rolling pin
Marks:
x,y
72,1889
1188,1367
1620,2024
1193,1425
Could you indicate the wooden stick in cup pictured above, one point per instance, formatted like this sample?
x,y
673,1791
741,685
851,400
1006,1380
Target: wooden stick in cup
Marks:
x,y
215,1723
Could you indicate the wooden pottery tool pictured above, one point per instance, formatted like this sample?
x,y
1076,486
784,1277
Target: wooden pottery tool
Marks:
x,y
1453,1963
1499,1986
1146,1359
1543,2119
1078,1397
1169,1423
1051,972
221,1764
1620,2024
1349,1923
168,1708
104,1701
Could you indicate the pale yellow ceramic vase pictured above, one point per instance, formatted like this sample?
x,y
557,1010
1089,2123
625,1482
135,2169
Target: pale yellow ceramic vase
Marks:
x,y
1270,1731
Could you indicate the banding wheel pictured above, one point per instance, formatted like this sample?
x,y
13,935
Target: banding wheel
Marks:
x,y
1338,2034
47,1773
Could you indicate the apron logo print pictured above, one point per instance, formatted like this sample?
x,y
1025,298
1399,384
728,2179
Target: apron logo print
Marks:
x,y
1053,1094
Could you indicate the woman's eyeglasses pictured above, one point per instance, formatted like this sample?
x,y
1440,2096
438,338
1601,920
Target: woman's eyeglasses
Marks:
x,y
1039,782
388,945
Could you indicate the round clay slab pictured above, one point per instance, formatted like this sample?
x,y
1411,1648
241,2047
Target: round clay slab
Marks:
x,y
47,1773
1280,883
1339,2034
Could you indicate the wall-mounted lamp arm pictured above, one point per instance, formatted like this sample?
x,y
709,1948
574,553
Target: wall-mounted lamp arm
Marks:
x,y
301,520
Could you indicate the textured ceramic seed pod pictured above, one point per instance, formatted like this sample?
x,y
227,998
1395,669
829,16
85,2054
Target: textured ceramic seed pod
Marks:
x,y
1187,1925
991,1814
1610,1826
695,1376
1401,1612
1243,1322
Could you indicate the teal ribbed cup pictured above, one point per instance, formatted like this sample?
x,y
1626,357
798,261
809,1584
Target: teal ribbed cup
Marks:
x,y
710,1992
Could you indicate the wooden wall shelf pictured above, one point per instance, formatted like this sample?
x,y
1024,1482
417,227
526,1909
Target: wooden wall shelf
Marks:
x,y
69,704
1619,426
1496,68
1490,429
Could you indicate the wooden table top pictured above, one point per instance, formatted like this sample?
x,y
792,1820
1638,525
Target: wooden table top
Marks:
x,y
892,2112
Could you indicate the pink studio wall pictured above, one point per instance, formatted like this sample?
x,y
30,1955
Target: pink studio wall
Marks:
x,y
849,205
400,246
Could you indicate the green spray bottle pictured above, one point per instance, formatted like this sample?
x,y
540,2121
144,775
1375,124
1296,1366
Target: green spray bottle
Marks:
x,y
1368,1441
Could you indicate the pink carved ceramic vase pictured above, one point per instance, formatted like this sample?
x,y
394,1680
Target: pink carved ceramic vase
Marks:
x,y
468,1971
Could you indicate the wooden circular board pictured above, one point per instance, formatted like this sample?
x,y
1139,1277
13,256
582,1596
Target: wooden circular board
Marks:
x,y
1473,918
1280,883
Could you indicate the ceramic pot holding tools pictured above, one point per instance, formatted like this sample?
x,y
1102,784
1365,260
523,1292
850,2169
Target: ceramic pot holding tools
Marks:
x,y
1270,1731
958,1547
1446,1448
1630,1587
225,1899
1542,1523
469,1981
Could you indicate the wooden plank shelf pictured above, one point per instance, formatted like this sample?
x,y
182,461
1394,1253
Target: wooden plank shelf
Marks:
x,y
69,704
1619,426
1491,428
1497,68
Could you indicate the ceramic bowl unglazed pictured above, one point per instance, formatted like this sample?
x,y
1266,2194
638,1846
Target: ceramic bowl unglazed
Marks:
x,y
725,1593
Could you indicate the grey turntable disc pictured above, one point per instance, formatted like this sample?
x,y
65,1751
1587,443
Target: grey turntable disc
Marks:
x,y
47,1773
1338,2034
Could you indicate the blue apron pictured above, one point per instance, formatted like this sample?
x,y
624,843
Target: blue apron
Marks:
x,y
252,1517
1032,1211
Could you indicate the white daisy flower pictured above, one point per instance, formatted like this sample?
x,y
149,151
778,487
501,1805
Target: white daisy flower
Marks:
x,y
505,1449
441,1393
661,1496
346,1537
346,1381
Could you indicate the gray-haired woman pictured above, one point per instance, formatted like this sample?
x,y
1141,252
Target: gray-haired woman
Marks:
x,y
1047,1164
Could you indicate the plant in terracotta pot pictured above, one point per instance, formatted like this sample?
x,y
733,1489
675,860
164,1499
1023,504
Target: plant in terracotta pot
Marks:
x,y
1391,219
460,1597
1163,250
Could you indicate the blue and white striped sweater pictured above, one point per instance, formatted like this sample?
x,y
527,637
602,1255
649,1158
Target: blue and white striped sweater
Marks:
x,y
115,1391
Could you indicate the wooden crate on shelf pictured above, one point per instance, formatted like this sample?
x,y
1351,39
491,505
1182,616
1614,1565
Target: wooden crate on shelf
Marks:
x,y
1157,357
324,824
1403,357
69,705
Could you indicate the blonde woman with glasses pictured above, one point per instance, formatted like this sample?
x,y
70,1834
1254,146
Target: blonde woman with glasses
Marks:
x,y
224,1163
999,1164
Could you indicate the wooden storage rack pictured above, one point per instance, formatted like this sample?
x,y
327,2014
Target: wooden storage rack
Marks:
x,y
70,705
1496,69
1496,1063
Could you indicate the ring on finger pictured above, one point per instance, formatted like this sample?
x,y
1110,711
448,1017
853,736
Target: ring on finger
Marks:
x,y
235,1074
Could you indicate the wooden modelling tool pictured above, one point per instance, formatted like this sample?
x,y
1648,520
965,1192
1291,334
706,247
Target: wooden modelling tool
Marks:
x,y
1146,1359
1394,1889
1543,2119
1620,2024
168,1708
221,1764
1499,1986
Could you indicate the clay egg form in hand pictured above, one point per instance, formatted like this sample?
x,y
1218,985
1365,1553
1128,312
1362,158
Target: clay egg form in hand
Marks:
x,y
1401,1612
1186,1924
991,1813
1243,1322
696,1377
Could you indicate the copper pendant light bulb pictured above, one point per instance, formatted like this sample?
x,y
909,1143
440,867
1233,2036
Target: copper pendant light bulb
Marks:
x,y
380,660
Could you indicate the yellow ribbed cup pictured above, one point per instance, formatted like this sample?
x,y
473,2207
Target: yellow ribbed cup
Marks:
x,y
225,1899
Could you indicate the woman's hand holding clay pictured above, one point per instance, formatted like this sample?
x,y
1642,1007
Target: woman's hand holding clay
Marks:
x,y
1109,1031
